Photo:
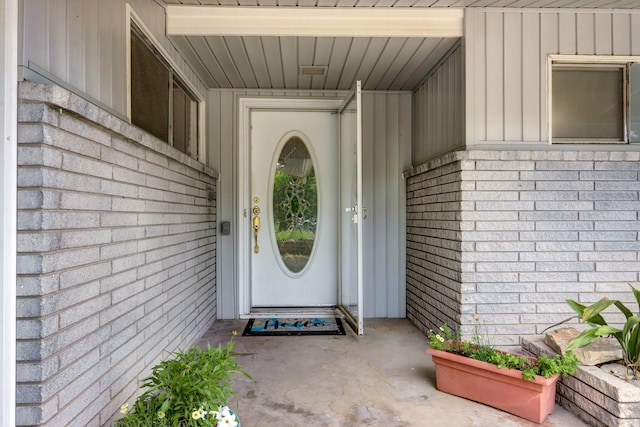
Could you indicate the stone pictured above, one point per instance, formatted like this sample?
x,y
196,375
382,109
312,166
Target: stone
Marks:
x,y
600,351
593,393
618,370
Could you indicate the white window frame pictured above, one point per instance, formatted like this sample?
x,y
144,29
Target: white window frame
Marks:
x,y
132,18
587,61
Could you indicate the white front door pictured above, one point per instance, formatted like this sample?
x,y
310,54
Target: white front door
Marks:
x,y
293,208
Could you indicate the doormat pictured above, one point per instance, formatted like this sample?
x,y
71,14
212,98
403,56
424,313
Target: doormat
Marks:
x,y
302,326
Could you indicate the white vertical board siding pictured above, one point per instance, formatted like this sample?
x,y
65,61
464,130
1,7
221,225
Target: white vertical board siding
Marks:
x,y
531,72
513,53
386,146
387,152
494,55
222,152
439,110
83,43
506,55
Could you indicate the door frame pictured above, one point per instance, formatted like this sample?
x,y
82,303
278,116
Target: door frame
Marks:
x,y
245,107
355,320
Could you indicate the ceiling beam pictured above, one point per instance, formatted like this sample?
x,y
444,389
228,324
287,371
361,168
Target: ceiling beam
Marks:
x,y
317,22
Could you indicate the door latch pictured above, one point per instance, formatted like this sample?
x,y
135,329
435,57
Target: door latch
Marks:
x,y
354,217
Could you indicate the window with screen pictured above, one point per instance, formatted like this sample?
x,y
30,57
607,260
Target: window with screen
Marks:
x,y
595,102
161,103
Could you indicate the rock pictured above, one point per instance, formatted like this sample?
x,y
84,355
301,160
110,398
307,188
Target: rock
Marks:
x,y
602,350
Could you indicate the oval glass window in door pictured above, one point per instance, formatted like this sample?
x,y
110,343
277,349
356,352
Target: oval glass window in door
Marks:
x,y
295,204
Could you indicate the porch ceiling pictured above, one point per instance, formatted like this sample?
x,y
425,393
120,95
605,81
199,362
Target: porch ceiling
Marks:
x,y
267,60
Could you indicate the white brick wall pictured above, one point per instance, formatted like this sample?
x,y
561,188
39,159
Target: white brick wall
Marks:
x,y
510,235
116,258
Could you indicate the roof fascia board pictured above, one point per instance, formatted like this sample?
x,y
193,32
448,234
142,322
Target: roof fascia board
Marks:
x,y
317,22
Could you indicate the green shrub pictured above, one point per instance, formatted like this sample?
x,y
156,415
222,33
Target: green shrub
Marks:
x,y
190,389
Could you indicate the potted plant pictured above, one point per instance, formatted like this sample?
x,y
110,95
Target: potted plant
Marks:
x,y
628,336
521,385
190,389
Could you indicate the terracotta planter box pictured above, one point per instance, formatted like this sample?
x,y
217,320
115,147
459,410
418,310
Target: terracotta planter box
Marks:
x,y
500,388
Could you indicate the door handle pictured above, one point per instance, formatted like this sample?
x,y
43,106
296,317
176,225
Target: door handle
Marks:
x,y
256,227
354,217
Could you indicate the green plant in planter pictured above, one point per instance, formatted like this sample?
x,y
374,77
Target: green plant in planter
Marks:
x,y
628,336
448,340
190,389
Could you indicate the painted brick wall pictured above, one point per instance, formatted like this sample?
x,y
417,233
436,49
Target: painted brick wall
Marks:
x,y
116,257
434,245
535,228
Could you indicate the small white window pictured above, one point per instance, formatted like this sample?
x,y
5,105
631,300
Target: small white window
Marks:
x,y
595,103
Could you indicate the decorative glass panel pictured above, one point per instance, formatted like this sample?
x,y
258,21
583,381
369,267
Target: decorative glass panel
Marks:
x,y
295,204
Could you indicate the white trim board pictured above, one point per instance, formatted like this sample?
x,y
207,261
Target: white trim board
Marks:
x,y
8,206
327,22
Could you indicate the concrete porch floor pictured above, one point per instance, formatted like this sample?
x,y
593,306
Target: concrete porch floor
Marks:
x,y
381,379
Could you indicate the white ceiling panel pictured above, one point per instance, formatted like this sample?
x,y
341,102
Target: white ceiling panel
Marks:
x,y
289,54
357,50
273,59
383,63
422,62
257,60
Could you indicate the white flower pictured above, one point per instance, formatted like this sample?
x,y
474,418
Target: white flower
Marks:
x,y
228,421
124,408
223,412
225,417
198,414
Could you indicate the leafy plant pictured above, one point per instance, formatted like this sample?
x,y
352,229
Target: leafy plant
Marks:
x,y
190,389
628,336
448,340
294,234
